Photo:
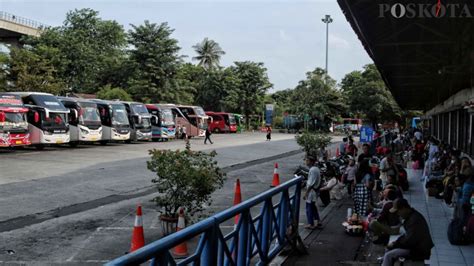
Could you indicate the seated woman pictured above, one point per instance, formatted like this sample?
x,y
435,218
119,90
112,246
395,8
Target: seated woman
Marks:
x,y
335,188
385,222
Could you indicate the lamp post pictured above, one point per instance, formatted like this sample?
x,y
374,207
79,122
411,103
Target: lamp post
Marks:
x,y
327,19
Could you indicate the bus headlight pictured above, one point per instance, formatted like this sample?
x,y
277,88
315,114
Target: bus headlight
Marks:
x,y
83,131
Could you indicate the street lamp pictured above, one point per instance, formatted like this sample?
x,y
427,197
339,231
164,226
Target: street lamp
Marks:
x,y
327,19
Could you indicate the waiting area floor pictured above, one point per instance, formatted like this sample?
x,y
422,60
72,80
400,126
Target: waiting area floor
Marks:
x,y
438,215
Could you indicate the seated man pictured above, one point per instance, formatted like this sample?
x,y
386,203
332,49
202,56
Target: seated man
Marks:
x,y
416,243
386,223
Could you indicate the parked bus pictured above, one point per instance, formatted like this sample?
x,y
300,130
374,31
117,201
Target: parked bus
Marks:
x,y
47,119
162,122
222,122
350,124
115,124
13,123
181,121
140,121
84,120
239,119
197,117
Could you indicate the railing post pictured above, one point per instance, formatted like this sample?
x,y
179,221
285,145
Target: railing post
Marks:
x,y
284,208
209,253
243,244
297,202
266,228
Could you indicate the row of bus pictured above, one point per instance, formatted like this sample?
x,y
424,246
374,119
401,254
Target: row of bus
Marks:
x,y
40,119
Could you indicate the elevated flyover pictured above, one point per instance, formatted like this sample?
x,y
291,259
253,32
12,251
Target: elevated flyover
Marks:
x,y
12,28
424,50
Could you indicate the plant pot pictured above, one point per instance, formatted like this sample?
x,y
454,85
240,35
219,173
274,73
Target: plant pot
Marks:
x,y
168,224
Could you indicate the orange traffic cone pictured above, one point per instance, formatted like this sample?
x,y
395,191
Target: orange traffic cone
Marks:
x,y
276,177
237,199
338,153
181,250
138,239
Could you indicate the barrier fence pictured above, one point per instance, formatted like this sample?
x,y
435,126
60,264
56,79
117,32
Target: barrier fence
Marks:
x,y
254,240
21,20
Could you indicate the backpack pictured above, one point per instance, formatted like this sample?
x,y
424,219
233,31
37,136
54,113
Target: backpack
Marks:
x,y
455,233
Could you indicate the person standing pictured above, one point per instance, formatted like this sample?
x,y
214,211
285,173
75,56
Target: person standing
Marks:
x,y
342,146
311,194
361,193
184,135
351,148
208,136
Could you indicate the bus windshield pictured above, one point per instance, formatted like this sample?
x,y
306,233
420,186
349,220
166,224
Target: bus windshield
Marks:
x,y
57,120
119,115
167,117
232,120
14,121
139,108
47,101
199,111
89,113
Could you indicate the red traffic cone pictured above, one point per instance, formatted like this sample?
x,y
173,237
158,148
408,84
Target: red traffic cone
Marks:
x,y
138,239
237,199
276,177
181,250
338,153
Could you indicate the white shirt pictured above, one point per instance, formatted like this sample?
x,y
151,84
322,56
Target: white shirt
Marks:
x,y
418,135
314,179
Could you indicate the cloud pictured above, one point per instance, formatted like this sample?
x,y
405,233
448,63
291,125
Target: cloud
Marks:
x,y
284,36
338,42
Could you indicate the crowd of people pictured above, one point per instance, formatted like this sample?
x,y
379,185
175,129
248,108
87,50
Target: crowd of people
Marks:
x,y
376,180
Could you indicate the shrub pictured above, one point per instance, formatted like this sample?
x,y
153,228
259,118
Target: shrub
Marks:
x,y
184,179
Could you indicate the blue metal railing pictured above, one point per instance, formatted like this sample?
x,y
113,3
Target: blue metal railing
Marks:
x,y
21,20
254,240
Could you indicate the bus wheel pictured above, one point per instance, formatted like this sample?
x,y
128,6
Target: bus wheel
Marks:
x,y
73,144
39,147
103,142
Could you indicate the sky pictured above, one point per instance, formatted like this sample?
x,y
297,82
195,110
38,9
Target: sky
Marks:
x,y
287,36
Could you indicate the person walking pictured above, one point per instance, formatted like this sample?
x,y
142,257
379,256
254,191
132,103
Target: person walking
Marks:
x,y
311,194
208,136
269,133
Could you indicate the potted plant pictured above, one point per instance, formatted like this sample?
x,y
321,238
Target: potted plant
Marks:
x,y
184,178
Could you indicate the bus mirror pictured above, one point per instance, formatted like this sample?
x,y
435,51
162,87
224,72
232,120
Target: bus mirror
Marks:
x,y
36,117
46,113
2,117
154,120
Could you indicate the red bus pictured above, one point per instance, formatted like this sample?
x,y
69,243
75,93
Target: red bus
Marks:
x,y
222,122
13,123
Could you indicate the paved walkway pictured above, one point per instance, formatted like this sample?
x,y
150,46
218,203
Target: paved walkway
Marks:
x,y
438,216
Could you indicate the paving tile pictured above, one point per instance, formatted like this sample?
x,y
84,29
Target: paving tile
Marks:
x,y
450,259
442,263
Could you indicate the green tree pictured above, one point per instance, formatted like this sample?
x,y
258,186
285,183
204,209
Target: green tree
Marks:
x,y
32,69
317,99
252,85
109,93
209,54
87,46
367,94
155,60
214,90
4,63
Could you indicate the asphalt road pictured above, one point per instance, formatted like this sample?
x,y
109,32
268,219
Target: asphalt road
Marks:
x,y
77,206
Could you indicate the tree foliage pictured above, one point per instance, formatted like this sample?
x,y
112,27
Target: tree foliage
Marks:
x,y
317,99
252,85
311,143
367,95
155,60
209,54
109,93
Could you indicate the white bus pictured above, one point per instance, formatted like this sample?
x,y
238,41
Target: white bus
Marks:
x,y
115,124
84,120
47,119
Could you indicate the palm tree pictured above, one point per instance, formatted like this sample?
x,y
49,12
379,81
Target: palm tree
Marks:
x,y
209,53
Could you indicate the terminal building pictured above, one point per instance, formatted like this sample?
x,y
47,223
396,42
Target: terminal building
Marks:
x,y
424,51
